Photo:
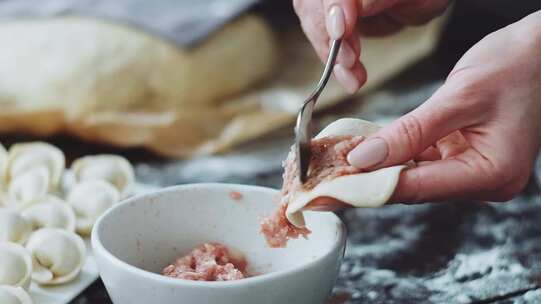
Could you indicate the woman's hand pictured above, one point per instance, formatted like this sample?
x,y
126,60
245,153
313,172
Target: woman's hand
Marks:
x,y
478,136
326,20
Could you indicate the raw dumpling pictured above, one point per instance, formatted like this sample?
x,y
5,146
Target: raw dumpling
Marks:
x,y
50,212
57,255
370,189
26,156
13,227
112,168
28,186
15,265
90,199
14,295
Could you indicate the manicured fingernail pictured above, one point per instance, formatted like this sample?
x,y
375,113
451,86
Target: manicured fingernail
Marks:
x,y
346,78
336,22
346,56
369,153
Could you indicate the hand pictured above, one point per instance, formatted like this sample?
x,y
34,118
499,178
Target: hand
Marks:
x,y
478,136
326,20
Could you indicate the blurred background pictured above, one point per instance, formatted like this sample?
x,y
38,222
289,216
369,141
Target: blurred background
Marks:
x,y
207,91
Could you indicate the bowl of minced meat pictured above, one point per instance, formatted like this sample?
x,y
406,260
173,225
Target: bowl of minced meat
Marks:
x,y
202,243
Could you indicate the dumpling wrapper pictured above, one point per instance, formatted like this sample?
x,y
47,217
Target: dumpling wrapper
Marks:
x,y
366,190
13,227
15,266
14,295
89,200
57,255
114,169
26,156
50,212
28,186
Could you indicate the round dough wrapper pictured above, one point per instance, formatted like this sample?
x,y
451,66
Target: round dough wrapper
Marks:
x,y
114,169
26,156
369,189
13,227
90,199
27,187
15,265
57,255
50,212
14,295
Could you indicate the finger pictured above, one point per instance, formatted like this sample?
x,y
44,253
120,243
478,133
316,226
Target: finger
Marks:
x,y
351,79
347,56
413,133
456,178
326,204
417,12
452,145
312,17
430,154
351,73
380,25
340,17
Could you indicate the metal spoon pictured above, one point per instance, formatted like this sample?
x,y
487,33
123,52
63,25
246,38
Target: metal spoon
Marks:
x,y
303,131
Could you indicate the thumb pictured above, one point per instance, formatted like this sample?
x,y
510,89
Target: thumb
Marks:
x,y
411,134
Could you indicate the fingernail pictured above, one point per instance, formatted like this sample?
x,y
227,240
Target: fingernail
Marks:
x,y
336,24
346,56
369,153
346,78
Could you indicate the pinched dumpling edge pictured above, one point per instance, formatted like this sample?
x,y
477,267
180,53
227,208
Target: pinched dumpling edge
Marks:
x,y
367,189
56,167
41,174
125,166
27,229
19,293
84,225
27,258
33,244
52,200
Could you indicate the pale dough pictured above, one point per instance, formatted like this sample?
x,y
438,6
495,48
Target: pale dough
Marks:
x,y
81,66
371,189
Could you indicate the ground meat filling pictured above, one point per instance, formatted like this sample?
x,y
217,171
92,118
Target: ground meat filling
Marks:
x,y
328,161
208,262
277,229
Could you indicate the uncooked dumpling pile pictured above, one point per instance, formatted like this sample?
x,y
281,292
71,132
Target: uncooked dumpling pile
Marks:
x,y
45,210
329,176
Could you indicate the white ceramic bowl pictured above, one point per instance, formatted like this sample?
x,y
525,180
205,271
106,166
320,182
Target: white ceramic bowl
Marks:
x,y
133,241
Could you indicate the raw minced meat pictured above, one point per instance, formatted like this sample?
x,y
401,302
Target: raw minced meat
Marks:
x,y
208,262
328,161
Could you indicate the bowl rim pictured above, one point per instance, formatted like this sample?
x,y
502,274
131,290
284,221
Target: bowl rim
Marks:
x,y
99,248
